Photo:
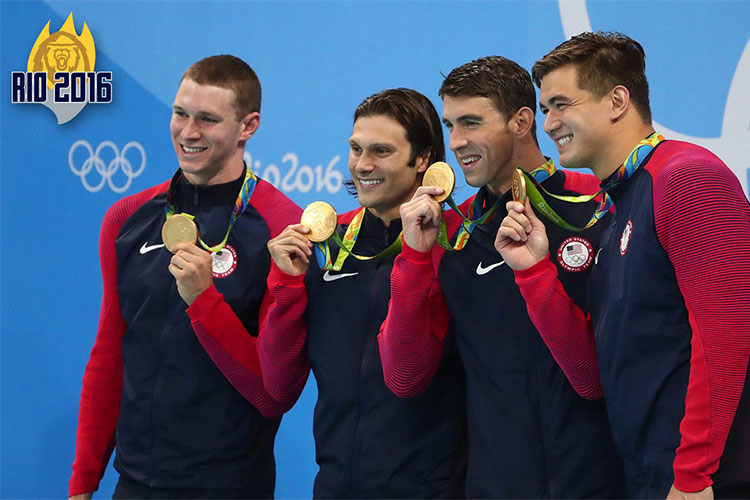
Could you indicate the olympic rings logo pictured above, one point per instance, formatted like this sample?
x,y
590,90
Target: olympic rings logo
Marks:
x,y
576,260
107,160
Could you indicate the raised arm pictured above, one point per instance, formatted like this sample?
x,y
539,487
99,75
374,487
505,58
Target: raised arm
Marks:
x,y
220,331
567,331
233,349
411,338
283,334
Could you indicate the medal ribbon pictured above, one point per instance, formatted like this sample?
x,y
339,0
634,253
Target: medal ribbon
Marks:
x,y
323,250
624,172
243,198
469,223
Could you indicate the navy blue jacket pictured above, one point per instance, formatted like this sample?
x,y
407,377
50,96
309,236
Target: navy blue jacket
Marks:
x,y
369,443
670,314
530,434
180,423
657,304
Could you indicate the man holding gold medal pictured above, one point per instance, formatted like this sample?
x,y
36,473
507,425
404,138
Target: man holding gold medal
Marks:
x,y
329,303
184,267
665,336
530,434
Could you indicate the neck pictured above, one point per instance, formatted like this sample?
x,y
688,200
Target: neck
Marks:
x,y
615,153
231,170
528,158
386,215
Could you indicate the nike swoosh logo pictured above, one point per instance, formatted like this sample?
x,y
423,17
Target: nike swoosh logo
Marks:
x,y
146,248
484,270
333,277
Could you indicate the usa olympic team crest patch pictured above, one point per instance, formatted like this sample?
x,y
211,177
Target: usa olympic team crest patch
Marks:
x,y
224,261
575,254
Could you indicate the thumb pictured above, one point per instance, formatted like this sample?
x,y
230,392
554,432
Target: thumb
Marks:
x,y
531,215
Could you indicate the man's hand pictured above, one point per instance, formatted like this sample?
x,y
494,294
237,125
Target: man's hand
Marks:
x,y
192,268
291,250
704,494
521,239
81,496
420,218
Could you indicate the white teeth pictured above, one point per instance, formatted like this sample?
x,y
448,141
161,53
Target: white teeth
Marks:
x,y
564,140
469,159
192,150
370,182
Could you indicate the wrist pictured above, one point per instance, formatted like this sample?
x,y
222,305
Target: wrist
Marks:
x,y
415,255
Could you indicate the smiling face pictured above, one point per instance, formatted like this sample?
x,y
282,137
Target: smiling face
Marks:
x,y
482,141
379,154
208,137
577,121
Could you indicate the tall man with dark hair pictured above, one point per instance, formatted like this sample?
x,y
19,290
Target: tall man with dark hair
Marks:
x,y
369,443
530,434
669,297
155,386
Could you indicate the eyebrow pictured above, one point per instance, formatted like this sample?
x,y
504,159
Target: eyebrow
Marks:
x,y
375,145
464,118
199,113
554,99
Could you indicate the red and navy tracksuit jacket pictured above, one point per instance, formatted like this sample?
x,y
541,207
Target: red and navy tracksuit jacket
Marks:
x,y
152,388
369,442
530,434
669,299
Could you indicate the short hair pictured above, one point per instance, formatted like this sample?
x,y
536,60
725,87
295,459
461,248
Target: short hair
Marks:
x,y
415,113
604,60
501,80
229,72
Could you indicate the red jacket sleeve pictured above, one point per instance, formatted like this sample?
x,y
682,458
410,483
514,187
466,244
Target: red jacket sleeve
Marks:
x,y
568,333
703,222
99,408
283,335
220,331
232,349
566,330
411,337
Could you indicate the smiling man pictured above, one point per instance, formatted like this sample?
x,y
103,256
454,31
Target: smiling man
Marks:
x,y
154,387
369,443
530,434
669,297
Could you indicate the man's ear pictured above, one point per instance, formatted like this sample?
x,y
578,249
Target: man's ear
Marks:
x,y
619,102
249,125
522,121
423,161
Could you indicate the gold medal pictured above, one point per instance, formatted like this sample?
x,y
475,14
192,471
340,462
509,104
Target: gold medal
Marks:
x,y
519,186
178,228
321,218
440,174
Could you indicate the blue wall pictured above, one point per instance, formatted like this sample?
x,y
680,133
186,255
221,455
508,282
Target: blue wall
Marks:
x,y
316,61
